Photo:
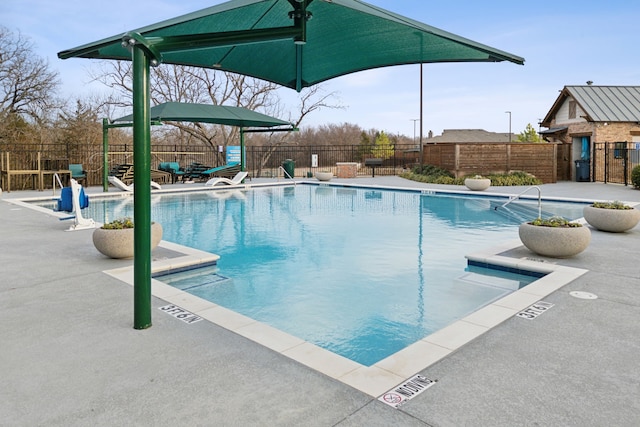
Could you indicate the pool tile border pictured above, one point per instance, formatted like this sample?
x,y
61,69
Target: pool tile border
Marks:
x,y
391,371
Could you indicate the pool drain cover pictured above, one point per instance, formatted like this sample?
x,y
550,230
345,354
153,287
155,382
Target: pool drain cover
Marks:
x,y
583,295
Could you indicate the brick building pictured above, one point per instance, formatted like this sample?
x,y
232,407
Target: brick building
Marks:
x,y
583,118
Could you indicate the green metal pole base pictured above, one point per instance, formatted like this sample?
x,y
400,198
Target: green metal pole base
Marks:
x,y
142,193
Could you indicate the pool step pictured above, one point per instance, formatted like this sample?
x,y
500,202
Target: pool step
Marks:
x,y
195,278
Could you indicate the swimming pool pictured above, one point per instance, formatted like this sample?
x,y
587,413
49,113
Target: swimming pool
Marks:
x,y
360,272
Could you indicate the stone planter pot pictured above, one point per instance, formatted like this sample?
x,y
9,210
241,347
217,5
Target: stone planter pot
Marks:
x,y
324,176
119,243
555,242
612,220
477,184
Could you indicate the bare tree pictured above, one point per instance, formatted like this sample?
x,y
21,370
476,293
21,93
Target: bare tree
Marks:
x,y
27,85
311,99
80,125
200,85
332,134
172,83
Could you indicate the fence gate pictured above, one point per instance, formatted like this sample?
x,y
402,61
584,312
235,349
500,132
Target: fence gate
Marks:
x,y
614,161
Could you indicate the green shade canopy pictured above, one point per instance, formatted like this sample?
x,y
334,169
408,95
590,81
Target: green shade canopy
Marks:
x,y
293,43
206,113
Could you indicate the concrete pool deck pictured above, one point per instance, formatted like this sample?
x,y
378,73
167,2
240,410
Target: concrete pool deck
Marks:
x,y
71,357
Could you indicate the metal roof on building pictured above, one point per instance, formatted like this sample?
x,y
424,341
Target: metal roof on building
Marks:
x,y
469,135
551,131
604,103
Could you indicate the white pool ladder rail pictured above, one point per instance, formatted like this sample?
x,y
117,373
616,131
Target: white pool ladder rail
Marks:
x,y
516,197
287,174
56,178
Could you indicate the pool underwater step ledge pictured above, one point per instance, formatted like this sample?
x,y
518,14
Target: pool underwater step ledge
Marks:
x,y
187,258
376,379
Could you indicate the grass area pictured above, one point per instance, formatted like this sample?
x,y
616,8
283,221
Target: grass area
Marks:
x,y
434,175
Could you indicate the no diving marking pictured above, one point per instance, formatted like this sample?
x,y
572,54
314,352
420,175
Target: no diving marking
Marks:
x,y
406,391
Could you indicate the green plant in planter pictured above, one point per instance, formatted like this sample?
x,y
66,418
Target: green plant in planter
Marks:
x,y
555,221
614,217
554,237
611,205
115,239
118,224
635,176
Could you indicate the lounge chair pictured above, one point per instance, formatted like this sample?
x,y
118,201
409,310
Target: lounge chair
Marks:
x,y
124,187
161,176
124,172
77,172
224,171
194,171
173,168
233,181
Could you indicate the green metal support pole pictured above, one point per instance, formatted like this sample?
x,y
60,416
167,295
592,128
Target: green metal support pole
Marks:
x,y
242,159
142,193
105,153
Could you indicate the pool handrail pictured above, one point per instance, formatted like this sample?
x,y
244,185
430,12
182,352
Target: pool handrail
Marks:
x,y
55,177
516,197
287,174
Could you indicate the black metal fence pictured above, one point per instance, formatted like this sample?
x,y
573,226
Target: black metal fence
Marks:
x,y
613,162
260,161
266,161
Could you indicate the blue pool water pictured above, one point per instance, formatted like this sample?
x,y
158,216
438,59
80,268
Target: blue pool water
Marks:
x,y
361,272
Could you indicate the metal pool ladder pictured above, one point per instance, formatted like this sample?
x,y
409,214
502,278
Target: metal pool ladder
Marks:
x,y
516,197
287,174
55,178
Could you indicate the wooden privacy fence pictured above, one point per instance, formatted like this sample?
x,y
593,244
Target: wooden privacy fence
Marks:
x,y
462,159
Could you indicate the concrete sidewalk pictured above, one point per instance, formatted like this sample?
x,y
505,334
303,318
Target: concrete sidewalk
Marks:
x,y
70,356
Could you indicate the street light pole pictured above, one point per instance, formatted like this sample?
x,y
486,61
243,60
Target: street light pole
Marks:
x,y
421,108
414,129
509,113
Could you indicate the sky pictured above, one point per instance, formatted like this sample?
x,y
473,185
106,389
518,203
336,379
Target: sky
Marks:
x,y
563,43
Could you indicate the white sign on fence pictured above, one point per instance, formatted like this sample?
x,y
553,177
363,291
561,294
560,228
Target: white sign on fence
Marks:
x,y
233,154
